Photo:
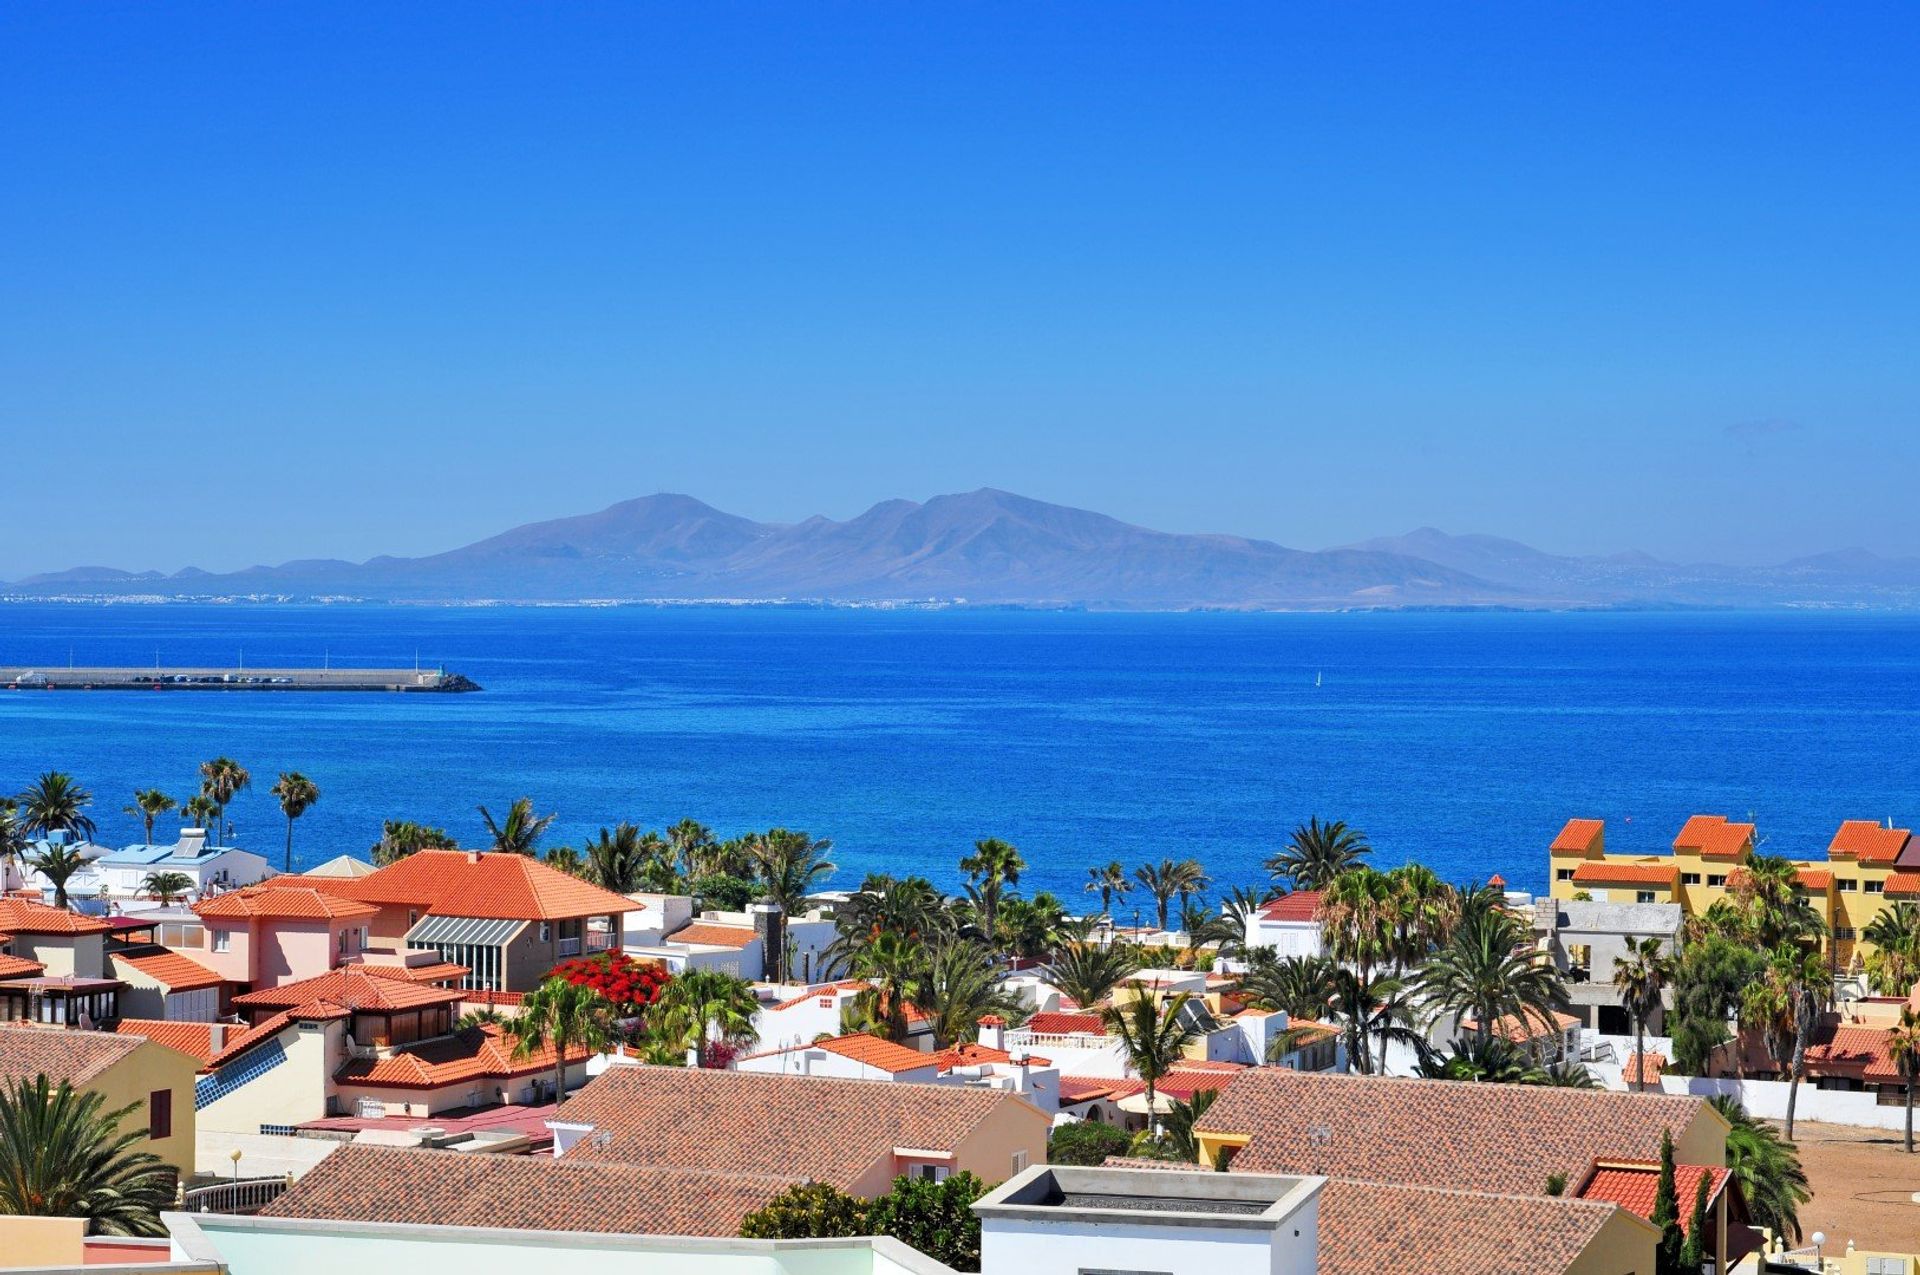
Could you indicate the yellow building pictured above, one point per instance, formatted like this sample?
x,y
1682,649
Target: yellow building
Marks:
x,y
1867,867
125,1070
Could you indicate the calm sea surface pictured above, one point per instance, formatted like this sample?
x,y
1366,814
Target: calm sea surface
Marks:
x,y
1463,740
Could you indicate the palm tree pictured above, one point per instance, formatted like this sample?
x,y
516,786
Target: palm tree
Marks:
x,y
402,837
55,803
1183,1140
148,805
1372,1008
1318,852
297,794
563,1016
691,842
1768,1169
1166,880
1766,892
202,809
1903,1048
1109,883
1425,912
166,886
993,866
1358,911
1153,1035
63,1154
615,861
565,859
223,779
1297,986
13,840
1893,967
962,985
894,967
59,865
907,906
791,865
701,1008
1641,977
1483,972
1088,972
1237,910
1030,928
521,831
1189,879
1785,1005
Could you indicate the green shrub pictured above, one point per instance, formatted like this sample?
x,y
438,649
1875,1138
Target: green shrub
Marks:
x,y
935,1217
1085,1142
810,1211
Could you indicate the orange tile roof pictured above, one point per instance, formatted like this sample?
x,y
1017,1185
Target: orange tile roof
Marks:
x,y
1633,1185
1301,905
438,972
1644,1069
1714,837
508,887
713,935
350,987
30,916
1067,1024
79,1056
274,901
1601,872
1851,1048
1806,878
825,990
974,1055
1369,1227
1904,883
435,1188
170,969
484,1052
192,1039
1578,836
19,967
1516,1030
312,1012
1865,841
872,1051
1182,1082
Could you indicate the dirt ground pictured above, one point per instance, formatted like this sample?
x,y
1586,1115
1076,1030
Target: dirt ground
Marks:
x,y
1863,1184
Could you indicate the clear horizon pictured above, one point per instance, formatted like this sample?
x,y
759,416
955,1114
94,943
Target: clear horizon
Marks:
x,y
290,283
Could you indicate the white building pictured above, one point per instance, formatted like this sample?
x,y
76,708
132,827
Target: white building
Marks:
x,y
733,942
122,874
1289,926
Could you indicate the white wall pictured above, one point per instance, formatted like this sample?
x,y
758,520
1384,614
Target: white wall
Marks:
x,y
1286,938
1018,1247
823,1062
1767,1099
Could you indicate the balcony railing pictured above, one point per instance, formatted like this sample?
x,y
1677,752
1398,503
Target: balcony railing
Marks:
x,y
569,947
247,1195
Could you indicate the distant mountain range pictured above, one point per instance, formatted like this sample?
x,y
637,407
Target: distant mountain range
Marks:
x,y
994,548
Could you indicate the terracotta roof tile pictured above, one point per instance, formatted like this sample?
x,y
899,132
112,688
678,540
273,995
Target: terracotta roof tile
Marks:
x,y
1714,837
1054,1024
350,987
1601,872
474,1053
1904,884
1517,1030
1846,1049
974,1055
276,901
872,1051
510,887
192,1039
1439,1133
1644,1069
713,935
1805,878
824,991
438,972
239,1042
19,967
170,969
439,1188
1865,841
1578,836
30,916
1368,1227
1633,1186
828,1130
79,1056
1301,905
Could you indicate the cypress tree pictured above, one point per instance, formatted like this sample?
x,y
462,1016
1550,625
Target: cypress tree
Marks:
x,y
1666,1215
1693,1254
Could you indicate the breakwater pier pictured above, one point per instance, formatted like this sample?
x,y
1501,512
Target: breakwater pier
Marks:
x,y
44,678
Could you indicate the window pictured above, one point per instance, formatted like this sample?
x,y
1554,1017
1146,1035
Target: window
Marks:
x,y
1019,1162
1848,885
160,1114
1887,1266
1719,879
546,932
1643,896
1689,878
223,940
1564,874
1876,887
346,942
1843,931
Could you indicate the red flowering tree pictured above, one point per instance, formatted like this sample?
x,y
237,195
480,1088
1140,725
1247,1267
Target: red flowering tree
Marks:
x,y
630,986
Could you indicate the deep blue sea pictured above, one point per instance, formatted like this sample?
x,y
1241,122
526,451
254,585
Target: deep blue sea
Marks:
x,y
1461,739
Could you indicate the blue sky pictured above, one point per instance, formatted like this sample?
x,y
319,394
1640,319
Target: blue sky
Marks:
x,y
297,280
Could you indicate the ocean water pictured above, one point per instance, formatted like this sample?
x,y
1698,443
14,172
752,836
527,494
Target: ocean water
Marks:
x,y
1463,740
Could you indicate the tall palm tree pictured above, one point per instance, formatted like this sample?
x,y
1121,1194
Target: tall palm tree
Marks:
x,y
906,906
701,1008
297,794
166,886
961,986
1786,1005
1189,879
1372,1007
59,865
1109,883
1164,881
1893,967
1297,986
64,1154
1765,891
894,968
993,866
1484,972
1358,911
1903,1048
55,803
203,811
1641,977
691,842
1183,1115
1768,1169
148,805
1088,972
564,1016
1318,852
615,861
1030,928
521,831
13,840
1425,912
1153,1035
565,859
221,780
402,837
791,865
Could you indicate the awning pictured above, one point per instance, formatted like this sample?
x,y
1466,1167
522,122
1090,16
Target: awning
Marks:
x,y
477,930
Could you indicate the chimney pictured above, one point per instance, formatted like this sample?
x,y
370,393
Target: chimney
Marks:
x,y
766,924
993,1031
217,1036
473,856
